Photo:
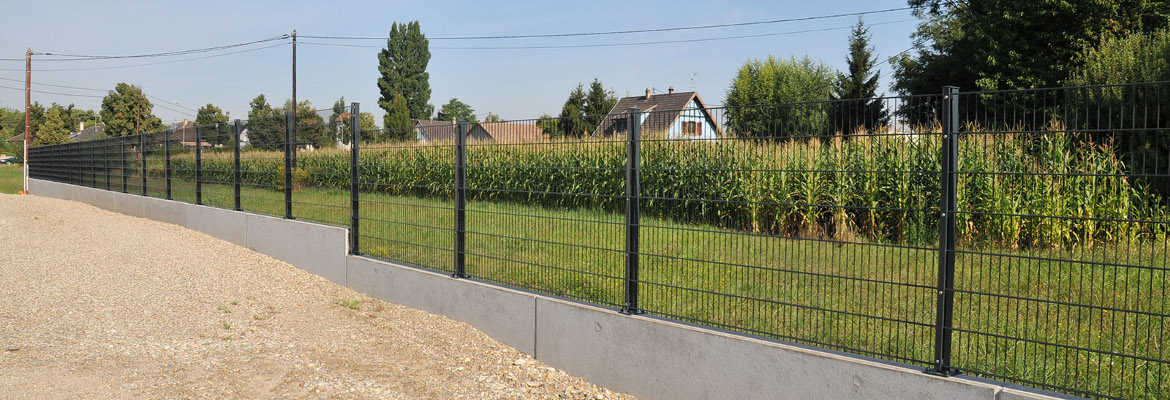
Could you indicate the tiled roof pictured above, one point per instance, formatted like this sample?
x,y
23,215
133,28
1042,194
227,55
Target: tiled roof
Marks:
x,y
508,132
664,109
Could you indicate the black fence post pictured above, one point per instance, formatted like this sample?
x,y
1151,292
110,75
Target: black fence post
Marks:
x,y
122,141
633,206
142,152
106,160
236,166
946,233
199,164
288,173
167,160
355,185
460,200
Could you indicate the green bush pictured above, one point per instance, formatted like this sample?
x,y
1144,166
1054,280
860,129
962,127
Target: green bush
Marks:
x,y
882,189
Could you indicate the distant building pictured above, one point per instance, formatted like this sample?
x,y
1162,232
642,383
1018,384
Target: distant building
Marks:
x,y
90,133
506,132
673,115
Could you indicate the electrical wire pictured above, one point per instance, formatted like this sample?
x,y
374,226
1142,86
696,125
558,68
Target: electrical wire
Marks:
x,y
168,102
656,42
83,57
622,32
56,93
149,64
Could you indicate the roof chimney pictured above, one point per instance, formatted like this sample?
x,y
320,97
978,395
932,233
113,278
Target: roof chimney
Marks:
x,y
647,93
81,126
671,90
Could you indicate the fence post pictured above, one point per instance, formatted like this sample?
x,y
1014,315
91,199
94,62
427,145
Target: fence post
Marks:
x,y
633,206
142,152
167,160
460,200
236,167
354,179
199,165
288,175
122,141
946,233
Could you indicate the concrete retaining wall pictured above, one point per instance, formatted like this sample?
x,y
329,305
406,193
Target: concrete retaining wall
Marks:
x,y
648,357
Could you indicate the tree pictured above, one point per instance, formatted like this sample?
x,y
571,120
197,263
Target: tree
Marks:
x,y
493,118
213,125
572,121
403,68
265,125
53,130
861,84
369,129
1013,44
126,111
550,125
311,127
759,96
397,122
340,111
457,110
598,104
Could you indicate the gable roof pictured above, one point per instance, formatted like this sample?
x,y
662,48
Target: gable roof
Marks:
x,y
664,110
435,130
90,133
510,132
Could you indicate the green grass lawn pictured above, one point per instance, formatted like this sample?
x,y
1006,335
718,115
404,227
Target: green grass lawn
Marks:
x,y
1016,312
11,178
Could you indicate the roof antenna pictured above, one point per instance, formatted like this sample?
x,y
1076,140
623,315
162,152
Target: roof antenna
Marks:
x,y
693,75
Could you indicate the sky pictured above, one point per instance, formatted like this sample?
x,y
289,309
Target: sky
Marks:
x,y
513,83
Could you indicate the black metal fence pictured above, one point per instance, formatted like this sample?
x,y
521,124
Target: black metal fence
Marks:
x,y
1016,235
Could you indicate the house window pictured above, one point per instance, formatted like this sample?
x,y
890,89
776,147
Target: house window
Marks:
x,y
692,128
619,126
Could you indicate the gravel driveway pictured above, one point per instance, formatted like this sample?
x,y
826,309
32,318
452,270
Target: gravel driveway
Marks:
x,y
95,304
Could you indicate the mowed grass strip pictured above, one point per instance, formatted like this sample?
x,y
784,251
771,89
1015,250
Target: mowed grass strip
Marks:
x,y
11,178
1089,319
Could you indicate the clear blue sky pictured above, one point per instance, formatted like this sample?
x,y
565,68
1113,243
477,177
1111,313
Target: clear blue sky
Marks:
x,y
513,83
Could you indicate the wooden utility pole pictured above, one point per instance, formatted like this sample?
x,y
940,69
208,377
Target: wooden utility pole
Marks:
x,y
293,128
27,111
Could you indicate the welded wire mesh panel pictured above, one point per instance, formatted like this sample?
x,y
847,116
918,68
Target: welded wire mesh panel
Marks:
x,y
1061,266
544,201
321,167
216,159
809,222
407,187
154,153
262,165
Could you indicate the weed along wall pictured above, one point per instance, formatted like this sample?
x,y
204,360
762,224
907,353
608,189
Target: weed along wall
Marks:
x,y
1015,236
649,357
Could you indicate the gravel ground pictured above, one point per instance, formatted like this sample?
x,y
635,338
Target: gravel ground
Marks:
x,y
95,304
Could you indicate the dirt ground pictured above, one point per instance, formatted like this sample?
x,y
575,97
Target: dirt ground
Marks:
x,y
95,304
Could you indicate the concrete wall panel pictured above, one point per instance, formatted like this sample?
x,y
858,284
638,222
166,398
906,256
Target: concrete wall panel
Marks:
x,y
505,315
316,248
171,212
230,226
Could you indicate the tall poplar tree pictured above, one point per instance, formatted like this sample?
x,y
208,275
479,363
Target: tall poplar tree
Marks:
x,y
403,68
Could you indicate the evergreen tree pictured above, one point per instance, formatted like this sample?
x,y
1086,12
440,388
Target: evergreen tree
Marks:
x,y
126,108
859,86
335,131
598,104
53,130
397,122
403,68
572,122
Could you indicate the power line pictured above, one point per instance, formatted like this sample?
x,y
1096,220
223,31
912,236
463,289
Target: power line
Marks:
x,y
623,32
149,64
164,101
81,57
656,42
57,93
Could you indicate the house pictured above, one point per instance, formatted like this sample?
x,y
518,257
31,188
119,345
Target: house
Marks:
x,y
507,132
673,115
90,133
428,131
184,135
